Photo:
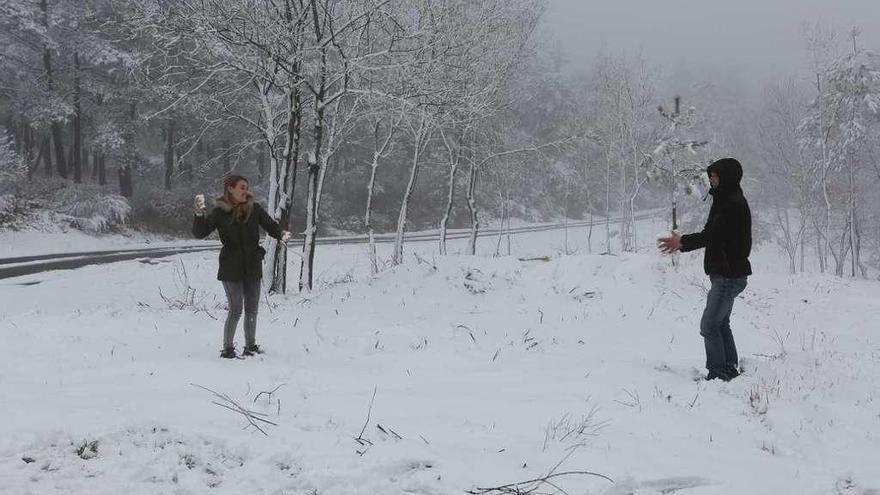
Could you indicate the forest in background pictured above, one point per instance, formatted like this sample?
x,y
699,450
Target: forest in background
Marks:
x,y
368,116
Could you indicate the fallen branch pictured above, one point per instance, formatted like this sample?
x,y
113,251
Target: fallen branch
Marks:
x,y
537,258
252,416
530,487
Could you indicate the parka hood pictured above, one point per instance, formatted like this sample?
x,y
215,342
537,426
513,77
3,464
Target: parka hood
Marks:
x,y
729,170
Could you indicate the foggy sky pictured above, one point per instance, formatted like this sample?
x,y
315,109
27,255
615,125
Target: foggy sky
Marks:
x,y
761,40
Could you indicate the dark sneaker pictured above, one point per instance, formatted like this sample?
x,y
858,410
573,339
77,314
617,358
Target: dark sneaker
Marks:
x,y
228,353
250,350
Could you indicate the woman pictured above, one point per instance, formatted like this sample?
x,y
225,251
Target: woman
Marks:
x,y
238,219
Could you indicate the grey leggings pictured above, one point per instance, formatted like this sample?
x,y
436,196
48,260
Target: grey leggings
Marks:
x,y
246,295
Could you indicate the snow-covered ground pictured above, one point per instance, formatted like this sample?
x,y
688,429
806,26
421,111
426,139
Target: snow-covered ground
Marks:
x,y
486,371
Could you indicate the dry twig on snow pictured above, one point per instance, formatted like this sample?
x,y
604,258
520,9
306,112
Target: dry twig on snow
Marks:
x,y
531,487
360,438
253,417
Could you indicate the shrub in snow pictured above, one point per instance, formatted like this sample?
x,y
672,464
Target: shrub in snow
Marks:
x,y
186,298
572,430
475,282
13,168
91,209
87,450
7,207
13,173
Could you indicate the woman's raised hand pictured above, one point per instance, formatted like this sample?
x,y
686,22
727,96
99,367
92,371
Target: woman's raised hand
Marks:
x,y
199,203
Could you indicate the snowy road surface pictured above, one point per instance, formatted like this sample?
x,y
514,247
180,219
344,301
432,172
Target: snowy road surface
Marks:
x,y
17,266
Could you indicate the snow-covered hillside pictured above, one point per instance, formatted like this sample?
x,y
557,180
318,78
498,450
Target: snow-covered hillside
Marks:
x,y
456,373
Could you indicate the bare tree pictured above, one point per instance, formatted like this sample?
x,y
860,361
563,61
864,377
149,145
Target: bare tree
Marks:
x,y
791,184
836,132
384,130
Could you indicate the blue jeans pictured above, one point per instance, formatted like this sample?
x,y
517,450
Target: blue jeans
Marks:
x,y
721,357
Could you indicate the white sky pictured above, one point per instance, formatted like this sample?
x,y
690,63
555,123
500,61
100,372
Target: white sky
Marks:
x,y
761,39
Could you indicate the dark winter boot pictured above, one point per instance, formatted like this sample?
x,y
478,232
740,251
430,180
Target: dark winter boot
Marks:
x,y
715,374
228,353
250,350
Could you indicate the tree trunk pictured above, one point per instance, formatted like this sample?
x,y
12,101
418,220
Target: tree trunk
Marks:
x,y
95,165
102,168
472,208
262,164
853,236
306,278
826,229
863,270
624,218
500,225
306,274
634,232
46,153
60,163
170,138
507,203
128,160
379,151
565,216
802,256
77,121
419,144
55,126
368,216
608,202
28,139
282,180
329,151
84,163
589,201
455,156
126,187
790,244
14,130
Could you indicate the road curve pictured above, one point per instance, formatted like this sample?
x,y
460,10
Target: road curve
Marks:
x,y
29,265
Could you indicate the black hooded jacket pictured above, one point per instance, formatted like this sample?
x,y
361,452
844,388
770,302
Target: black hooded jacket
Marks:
x,y
727,235
241,257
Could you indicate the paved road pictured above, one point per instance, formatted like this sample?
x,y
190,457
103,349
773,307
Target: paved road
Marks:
x,y
29,265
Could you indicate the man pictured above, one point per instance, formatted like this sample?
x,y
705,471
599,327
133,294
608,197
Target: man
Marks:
x,y
727,238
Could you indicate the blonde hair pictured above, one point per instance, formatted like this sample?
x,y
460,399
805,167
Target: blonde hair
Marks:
x,y
241,212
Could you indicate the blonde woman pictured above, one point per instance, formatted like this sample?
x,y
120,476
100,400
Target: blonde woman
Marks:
x,y
237,219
